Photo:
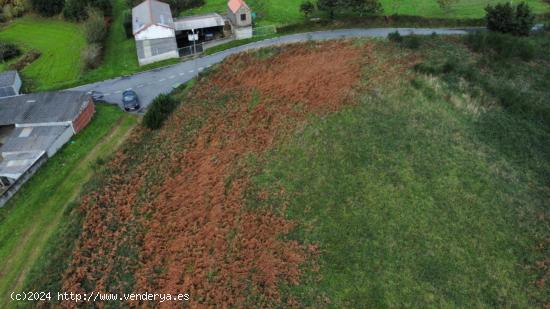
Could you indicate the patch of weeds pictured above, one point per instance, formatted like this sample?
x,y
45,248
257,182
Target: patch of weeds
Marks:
x,y
254,101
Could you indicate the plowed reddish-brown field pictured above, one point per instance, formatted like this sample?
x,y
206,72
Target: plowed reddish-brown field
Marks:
x,y
172,219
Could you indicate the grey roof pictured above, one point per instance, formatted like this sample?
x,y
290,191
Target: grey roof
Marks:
x,y
7,79
14,165
45,107
151,12
31,139
199,22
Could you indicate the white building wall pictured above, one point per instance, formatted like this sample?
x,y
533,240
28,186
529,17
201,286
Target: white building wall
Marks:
x,y
243,32
60,141
165,56
155,32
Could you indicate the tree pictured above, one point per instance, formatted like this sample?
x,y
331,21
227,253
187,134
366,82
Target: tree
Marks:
x,y
328,6
506,18
307,8
364,6
48,7
524,19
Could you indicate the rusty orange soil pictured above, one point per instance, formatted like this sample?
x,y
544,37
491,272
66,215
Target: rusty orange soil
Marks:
x,y
191,230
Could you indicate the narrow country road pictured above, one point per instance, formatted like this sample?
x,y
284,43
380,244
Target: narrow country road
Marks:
x,y
149,84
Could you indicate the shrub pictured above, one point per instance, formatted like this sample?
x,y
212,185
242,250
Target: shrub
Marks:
x,y
307,8
395,37
75,10
106,6
8,51
48,7
91,56
412,41
158,112
127,23
95,27
506,18
78,9
524,19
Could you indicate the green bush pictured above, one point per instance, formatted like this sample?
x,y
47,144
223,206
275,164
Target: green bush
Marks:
x,y
412,41
158,112
307,7
8,51
75,10
95,28
505,18
48,7
78,9
395,37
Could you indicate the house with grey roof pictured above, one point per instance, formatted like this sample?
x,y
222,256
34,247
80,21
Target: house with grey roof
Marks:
x,y
154,32
10,84
159,36
33,128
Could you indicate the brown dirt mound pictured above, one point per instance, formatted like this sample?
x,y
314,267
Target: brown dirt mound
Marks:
x,y
193,231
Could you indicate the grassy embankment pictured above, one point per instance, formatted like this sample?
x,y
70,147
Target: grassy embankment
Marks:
x,y
433,190
35,212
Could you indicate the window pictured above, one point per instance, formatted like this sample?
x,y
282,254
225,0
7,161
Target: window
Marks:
x,y
243,17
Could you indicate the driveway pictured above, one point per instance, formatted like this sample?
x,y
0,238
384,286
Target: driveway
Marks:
x,y
150,84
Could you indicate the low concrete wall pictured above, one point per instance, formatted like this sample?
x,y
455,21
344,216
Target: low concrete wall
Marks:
x,y
148,60
243,32
60,141
7,195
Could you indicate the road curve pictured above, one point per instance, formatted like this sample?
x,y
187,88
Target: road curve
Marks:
x,y
149,84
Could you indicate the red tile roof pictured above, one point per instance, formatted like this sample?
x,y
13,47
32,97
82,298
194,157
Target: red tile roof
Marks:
x,y
235,5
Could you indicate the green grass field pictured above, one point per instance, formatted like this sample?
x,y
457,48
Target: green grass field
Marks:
x,y
59,42
35,212
278,12
431,192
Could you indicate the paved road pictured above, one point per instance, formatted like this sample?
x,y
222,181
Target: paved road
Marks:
x,y
149,84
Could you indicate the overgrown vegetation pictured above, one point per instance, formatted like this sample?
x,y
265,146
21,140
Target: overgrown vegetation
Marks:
x,y
8,51
158,111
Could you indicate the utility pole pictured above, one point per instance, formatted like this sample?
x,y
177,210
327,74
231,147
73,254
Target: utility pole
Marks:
x,y
194,42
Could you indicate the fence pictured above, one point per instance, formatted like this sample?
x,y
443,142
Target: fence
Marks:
x,y
264,30
191,50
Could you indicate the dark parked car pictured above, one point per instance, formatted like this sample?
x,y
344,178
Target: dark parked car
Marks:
x,y
130,100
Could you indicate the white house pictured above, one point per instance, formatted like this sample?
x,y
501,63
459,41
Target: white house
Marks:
x,y
159,36
154,32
